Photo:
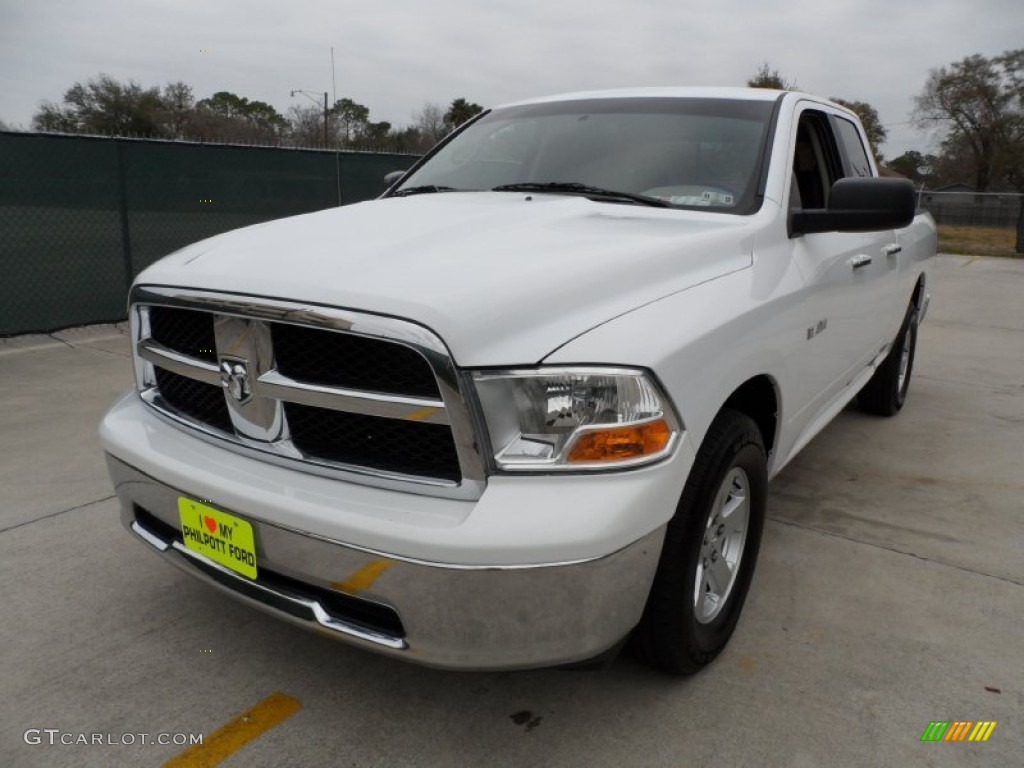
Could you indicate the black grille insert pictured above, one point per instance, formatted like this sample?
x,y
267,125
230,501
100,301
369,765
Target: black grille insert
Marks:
x,y
406,447
346,360
184,330
195,399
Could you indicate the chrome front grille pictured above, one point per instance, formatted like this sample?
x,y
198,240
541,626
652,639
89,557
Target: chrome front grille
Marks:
x,y
372,399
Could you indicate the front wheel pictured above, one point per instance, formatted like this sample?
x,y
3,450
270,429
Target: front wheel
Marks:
x,y
710,548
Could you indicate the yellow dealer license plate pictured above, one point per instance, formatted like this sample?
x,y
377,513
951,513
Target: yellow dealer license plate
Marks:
x,y
223,538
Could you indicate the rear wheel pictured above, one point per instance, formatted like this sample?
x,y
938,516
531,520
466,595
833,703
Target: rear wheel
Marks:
x,y
886,391
711,546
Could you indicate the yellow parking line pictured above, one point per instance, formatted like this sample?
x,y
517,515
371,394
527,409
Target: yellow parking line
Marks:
x,y
970,261
234,734
421,414
364,577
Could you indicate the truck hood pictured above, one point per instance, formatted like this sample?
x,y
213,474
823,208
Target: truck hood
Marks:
x,y
503,278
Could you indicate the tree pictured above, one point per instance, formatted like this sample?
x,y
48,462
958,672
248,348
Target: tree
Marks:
x,y
306,126
431,126
104,105
407,140
978,101
352,118
953,164
226,116
265,118
915,166
238,108
376,136
1011,160
53,119
460,112
869,119
178,109
226,105
766,77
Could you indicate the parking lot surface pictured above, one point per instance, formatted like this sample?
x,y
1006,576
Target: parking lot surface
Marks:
x,y
889,594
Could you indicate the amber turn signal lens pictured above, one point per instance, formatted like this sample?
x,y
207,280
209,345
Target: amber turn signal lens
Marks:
x,y
620,443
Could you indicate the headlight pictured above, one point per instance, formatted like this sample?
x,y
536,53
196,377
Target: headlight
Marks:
x,y
575,418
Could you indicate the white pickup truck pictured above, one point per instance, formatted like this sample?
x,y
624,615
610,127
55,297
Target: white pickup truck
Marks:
x,y
525,405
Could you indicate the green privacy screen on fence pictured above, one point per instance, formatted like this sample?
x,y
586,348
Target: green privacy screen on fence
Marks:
x,y
80,216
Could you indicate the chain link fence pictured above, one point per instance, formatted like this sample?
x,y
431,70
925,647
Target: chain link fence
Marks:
x,y
978,223
81,216
999,210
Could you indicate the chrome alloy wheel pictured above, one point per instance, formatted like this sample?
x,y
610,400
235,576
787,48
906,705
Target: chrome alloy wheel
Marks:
x,y
725,534
901,378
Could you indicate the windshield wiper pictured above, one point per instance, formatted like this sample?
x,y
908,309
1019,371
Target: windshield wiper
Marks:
x,y
422,190
574,187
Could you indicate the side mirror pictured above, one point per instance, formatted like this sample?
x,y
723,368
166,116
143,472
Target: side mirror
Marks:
x,y
391,178
860,205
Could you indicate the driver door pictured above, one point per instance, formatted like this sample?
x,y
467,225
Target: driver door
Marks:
x,y
847,277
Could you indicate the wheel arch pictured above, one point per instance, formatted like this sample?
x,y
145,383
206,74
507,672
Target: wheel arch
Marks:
x,y
919,294
758,398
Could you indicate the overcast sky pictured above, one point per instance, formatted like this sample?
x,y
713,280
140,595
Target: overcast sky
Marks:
x,y
395,55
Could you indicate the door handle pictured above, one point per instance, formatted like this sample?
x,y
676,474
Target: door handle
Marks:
x,y
860,261
892,249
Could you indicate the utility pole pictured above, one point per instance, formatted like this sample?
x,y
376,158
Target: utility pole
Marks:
x,y
334,97
334,84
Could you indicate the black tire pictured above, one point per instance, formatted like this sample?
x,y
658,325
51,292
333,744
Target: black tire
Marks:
x,y
884,394
670,636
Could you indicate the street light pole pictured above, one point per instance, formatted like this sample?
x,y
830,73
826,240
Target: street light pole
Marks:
x,y
309,95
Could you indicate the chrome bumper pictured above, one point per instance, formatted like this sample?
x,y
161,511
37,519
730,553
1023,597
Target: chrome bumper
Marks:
x,y
451,616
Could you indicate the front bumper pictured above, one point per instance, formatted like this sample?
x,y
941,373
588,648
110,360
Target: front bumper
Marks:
x,y
452,616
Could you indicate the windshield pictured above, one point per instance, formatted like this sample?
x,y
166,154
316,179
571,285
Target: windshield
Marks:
x,y
688,153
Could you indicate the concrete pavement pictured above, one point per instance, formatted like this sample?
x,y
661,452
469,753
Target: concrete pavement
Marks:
x,y
889,593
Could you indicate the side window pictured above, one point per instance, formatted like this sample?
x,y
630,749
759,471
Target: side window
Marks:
x,y
856,157
815,162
